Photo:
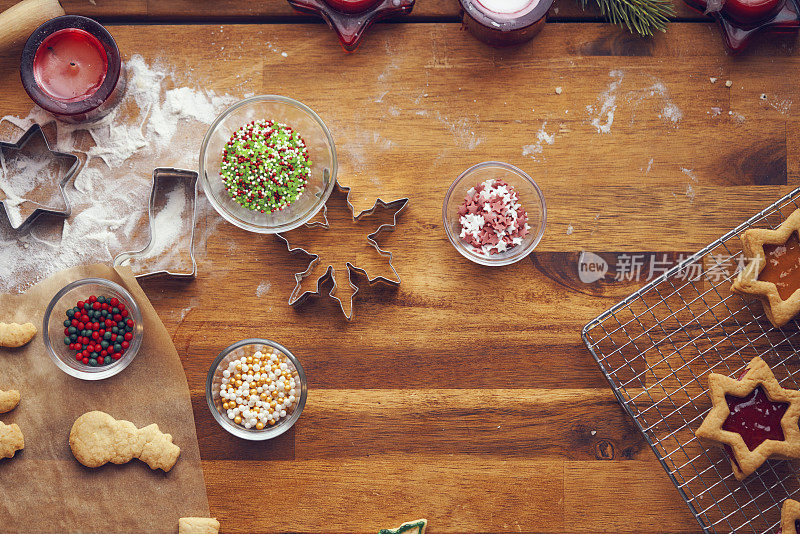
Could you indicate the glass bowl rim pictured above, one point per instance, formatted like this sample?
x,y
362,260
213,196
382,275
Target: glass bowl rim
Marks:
x,y
105,371
268,432
282,100
474,257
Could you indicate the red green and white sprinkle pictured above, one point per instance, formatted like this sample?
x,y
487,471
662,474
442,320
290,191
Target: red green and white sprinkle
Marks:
x,y
265,166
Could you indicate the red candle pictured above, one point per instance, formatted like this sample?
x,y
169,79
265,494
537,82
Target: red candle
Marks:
x,y
504,22
352,6
740,20
751,11
70,65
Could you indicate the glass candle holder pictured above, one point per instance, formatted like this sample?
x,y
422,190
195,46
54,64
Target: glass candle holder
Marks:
x,y
71,67
504,22
740,20
350,18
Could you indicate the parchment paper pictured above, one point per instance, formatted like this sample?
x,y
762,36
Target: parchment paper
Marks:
x,y
43,488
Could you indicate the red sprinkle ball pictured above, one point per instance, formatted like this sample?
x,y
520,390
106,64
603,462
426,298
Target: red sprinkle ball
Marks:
x,y
99,330
492,219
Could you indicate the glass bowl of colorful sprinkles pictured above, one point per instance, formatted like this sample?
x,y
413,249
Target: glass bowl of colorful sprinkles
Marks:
x,y
268,164
92,328
256,389
494,214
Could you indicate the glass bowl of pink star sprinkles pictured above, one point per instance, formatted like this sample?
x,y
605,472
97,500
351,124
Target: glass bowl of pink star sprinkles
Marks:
x,y
268,164
494,214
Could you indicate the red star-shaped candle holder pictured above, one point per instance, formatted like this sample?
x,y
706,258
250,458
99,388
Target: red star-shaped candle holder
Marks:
x,y
790,517
752,417
350,18
739,20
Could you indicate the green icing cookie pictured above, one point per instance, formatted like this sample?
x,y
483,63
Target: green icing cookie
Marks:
x,y
412,527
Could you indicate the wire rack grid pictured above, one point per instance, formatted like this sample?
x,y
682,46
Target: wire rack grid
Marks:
x,y
656,348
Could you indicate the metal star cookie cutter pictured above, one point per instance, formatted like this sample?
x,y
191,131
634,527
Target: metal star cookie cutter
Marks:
x,y
165,180
35,131
295,299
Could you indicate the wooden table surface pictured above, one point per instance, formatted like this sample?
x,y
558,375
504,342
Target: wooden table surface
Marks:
x,y
466,396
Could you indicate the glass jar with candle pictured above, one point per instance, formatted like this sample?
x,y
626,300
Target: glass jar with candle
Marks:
x,y
740,20
504,22
71,67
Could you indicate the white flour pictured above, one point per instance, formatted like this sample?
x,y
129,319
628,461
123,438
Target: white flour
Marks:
x,y
169,223
603,113
22,176
690,192
608,104
542,137
263,288
157,124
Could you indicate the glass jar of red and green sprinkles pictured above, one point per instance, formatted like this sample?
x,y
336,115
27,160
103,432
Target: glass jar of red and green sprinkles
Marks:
x,y
265,166
99,330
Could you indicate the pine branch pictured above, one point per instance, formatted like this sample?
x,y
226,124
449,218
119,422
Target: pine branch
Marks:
x,y
639,16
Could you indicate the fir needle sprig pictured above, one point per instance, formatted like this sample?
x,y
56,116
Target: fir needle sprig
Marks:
x,y
639,16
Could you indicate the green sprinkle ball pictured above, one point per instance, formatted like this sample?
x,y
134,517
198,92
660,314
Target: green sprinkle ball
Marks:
x,y
265,166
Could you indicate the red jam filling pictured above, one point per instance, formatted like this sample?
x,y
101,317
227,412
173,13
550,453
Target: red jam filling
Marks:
x,y
755,418
782,266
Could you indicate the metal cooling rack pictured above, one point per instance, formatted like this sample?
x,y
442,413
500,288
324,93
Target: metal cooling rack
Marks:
x,y
656,348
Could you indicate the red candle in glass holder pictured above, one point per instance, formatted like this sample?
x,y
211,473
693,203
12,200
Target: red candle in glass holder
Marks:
x,y
739,20
70,64
350,18
71,67
505,22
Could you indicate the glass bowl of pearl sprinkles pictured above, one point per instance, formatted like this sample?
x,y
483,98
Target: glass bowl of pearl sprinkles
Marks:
x,y
494,214
256,389
268,164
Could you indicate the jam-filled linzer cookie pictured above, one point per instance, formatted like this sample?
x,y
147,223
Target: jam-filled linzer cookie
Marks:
x,y
773,269
790,517
752,417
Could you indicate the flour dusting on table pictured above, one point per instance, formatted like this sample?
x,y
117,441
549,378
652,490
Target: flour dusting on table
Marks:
x,y
604,112
263,288
607,102
542,137
159,123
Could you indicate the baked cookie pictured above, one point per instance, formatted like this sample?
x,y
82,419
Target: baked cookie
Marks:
x,y
752,417
411,527
97,438
198,525
790,517
8,400
772,273
11,440
15,334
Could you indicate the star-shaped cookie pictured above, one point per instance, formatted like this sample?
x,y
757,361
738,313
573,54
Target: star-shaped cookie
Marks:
x,y
753,417
772,273
790,516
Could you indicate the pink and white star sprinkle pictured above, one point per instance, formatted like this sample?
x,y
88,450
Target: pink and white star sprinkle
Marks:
x,y
492,219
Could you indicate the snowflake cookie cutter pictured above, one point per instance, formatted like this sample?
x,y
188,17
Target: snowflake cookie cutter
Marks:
x,y
295,299
165,180
35,132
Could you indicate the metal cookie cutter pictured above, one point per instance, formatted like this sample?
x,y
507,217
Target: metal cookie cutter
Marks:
x,y
165,182
295,299
6,149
